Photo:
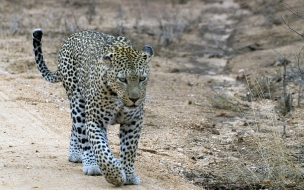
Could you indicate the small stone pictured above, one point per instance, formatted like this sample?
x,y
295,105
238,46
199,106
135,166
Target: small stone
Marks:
x,y
215,132
174,70
190,83
200,156
199,180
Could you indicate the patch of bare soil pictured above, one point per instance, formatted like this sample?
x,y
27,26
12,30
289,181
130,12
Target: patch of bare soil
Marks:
x,y
213,117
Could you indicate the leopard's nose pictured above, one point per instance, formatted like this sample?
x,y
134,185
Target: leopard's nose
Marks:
x,y
134,99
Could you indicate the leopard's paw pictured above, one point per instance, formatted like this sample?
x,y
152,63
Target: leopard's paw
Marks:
x,y
132,179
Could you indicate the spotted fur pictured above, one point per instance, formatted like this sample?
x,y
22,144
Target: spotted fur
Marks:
x,y
105,79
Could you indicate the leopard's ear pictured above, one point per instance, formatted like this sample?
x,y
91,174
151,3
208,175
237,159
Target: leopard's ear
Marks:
x,y
148,53
107,59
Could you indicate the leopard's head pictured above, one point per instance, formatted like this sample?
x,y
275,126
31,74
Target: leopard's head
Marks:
x,y
127,73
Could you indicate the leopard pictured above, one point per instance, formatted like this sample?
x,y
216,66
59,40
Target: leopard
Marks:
x,y
105,79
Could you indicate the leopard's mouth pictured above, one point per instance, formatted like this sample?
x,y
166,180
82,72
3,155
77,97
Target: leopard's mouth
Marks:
x,y
126,105
132,106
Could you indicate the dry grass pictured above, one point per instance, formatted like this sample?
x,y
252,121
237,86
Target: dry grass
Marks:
x,y
223,101
266,159
255,154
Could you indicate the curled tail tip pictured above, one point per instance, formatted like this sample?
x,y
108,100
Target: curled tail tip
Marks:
x,y
37,34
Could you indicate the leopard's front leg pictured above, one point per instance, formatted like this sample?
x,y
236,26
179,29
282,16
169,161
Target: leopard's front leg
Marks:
x,y
80,149
111,167
129,136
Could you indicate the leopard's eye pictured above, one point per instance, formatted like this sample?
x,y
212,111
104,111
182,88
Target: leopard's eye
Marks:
x,y
122,79
142,79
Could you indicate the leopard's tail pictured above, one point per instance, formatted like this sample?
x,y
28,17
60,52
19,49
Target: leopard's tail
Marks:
x,y
45,72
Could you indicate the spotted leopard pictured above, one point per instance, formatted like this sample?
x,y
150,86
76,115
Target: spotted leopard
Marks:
x,y
105,79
